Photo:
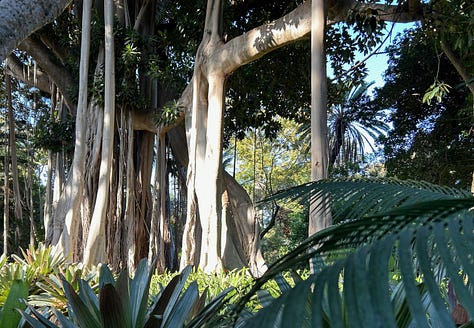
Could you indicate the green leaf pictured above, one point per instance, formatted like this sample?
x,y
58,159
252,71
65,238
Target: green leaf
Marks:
x,y
422,252
123,289
65,322
10,317
409,283
334,297
183,276
209,310
429,228
379,288
39,321
157,311
111,307
452,267
83,313
139,289
294,312
105,276
183,307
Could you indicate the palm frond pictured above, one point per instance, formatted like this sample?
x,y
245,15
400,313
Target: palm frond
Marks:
x,y
423,232
354,198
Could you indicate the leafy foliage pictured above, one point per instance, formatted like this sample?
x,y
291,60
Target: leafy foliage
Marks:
x,y
9,317
263,166
54,134
452,23
353,126
422,230
124,302
428,142
40,269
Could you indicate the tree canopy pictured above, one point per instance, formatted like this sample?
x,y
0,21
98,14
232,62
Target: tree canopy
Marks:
x,y
429,141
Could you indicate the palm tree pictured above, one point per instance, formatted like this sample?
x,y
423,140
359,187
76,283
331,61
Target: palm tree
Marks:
x,y
352,127
419,232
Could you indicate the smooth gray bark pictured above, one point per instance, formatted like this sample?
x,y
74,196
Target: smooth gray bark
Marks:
x,y
20,18
95,250
318,218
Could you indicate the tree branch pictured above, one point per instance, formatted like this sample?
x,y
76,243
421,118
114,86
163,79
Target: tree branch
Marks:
x,y
56,71
458,66
271,223
20,18
60,52
19,71
293,27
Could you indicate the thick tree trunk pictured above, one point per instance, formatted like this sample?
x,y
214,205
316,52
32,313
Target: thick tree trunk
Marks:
x,y
75,185
205,151
242,247
95,250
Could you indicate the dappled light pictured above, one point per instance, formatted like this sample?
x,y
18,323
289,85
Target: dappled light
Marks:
x,y
217,163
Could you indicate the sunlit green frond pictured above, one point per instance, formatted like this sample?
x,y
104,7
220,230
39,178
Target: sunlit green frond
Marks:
x,y
424,233
352,199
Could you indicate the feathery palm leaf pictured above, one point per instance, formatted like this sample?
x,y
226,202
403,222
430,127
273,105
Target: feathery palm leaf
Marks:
x,y
351,129
424,232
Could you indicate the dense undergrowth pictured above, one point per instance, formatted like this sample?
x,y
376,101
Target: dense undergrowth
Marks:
x,y
50,285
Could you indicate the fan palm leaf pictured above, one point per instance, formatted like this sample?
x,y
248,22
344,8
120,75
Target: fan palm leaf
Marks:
x,y
422,231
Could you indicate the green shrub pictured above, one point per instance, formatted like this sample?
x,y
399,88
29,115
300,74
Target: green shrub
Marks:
x,y
125,302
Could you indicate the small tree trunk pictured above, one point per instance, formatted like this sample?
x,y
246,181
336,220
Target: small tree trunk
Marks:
x,y
6,202
143,192
31,206
130,200
119,239
48,201
163,225
153,246
158,230
319,216
12,140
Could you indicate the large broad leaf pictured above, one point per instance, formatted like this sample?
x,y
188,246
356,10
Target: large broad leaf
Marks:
x,y
139,291
164,305
9,316
38,320
426,235
83,307
111,307
183,307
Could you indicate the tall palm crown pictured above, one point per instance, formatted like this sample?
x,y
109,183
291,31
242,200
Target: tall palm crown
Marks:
x,y
353,127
